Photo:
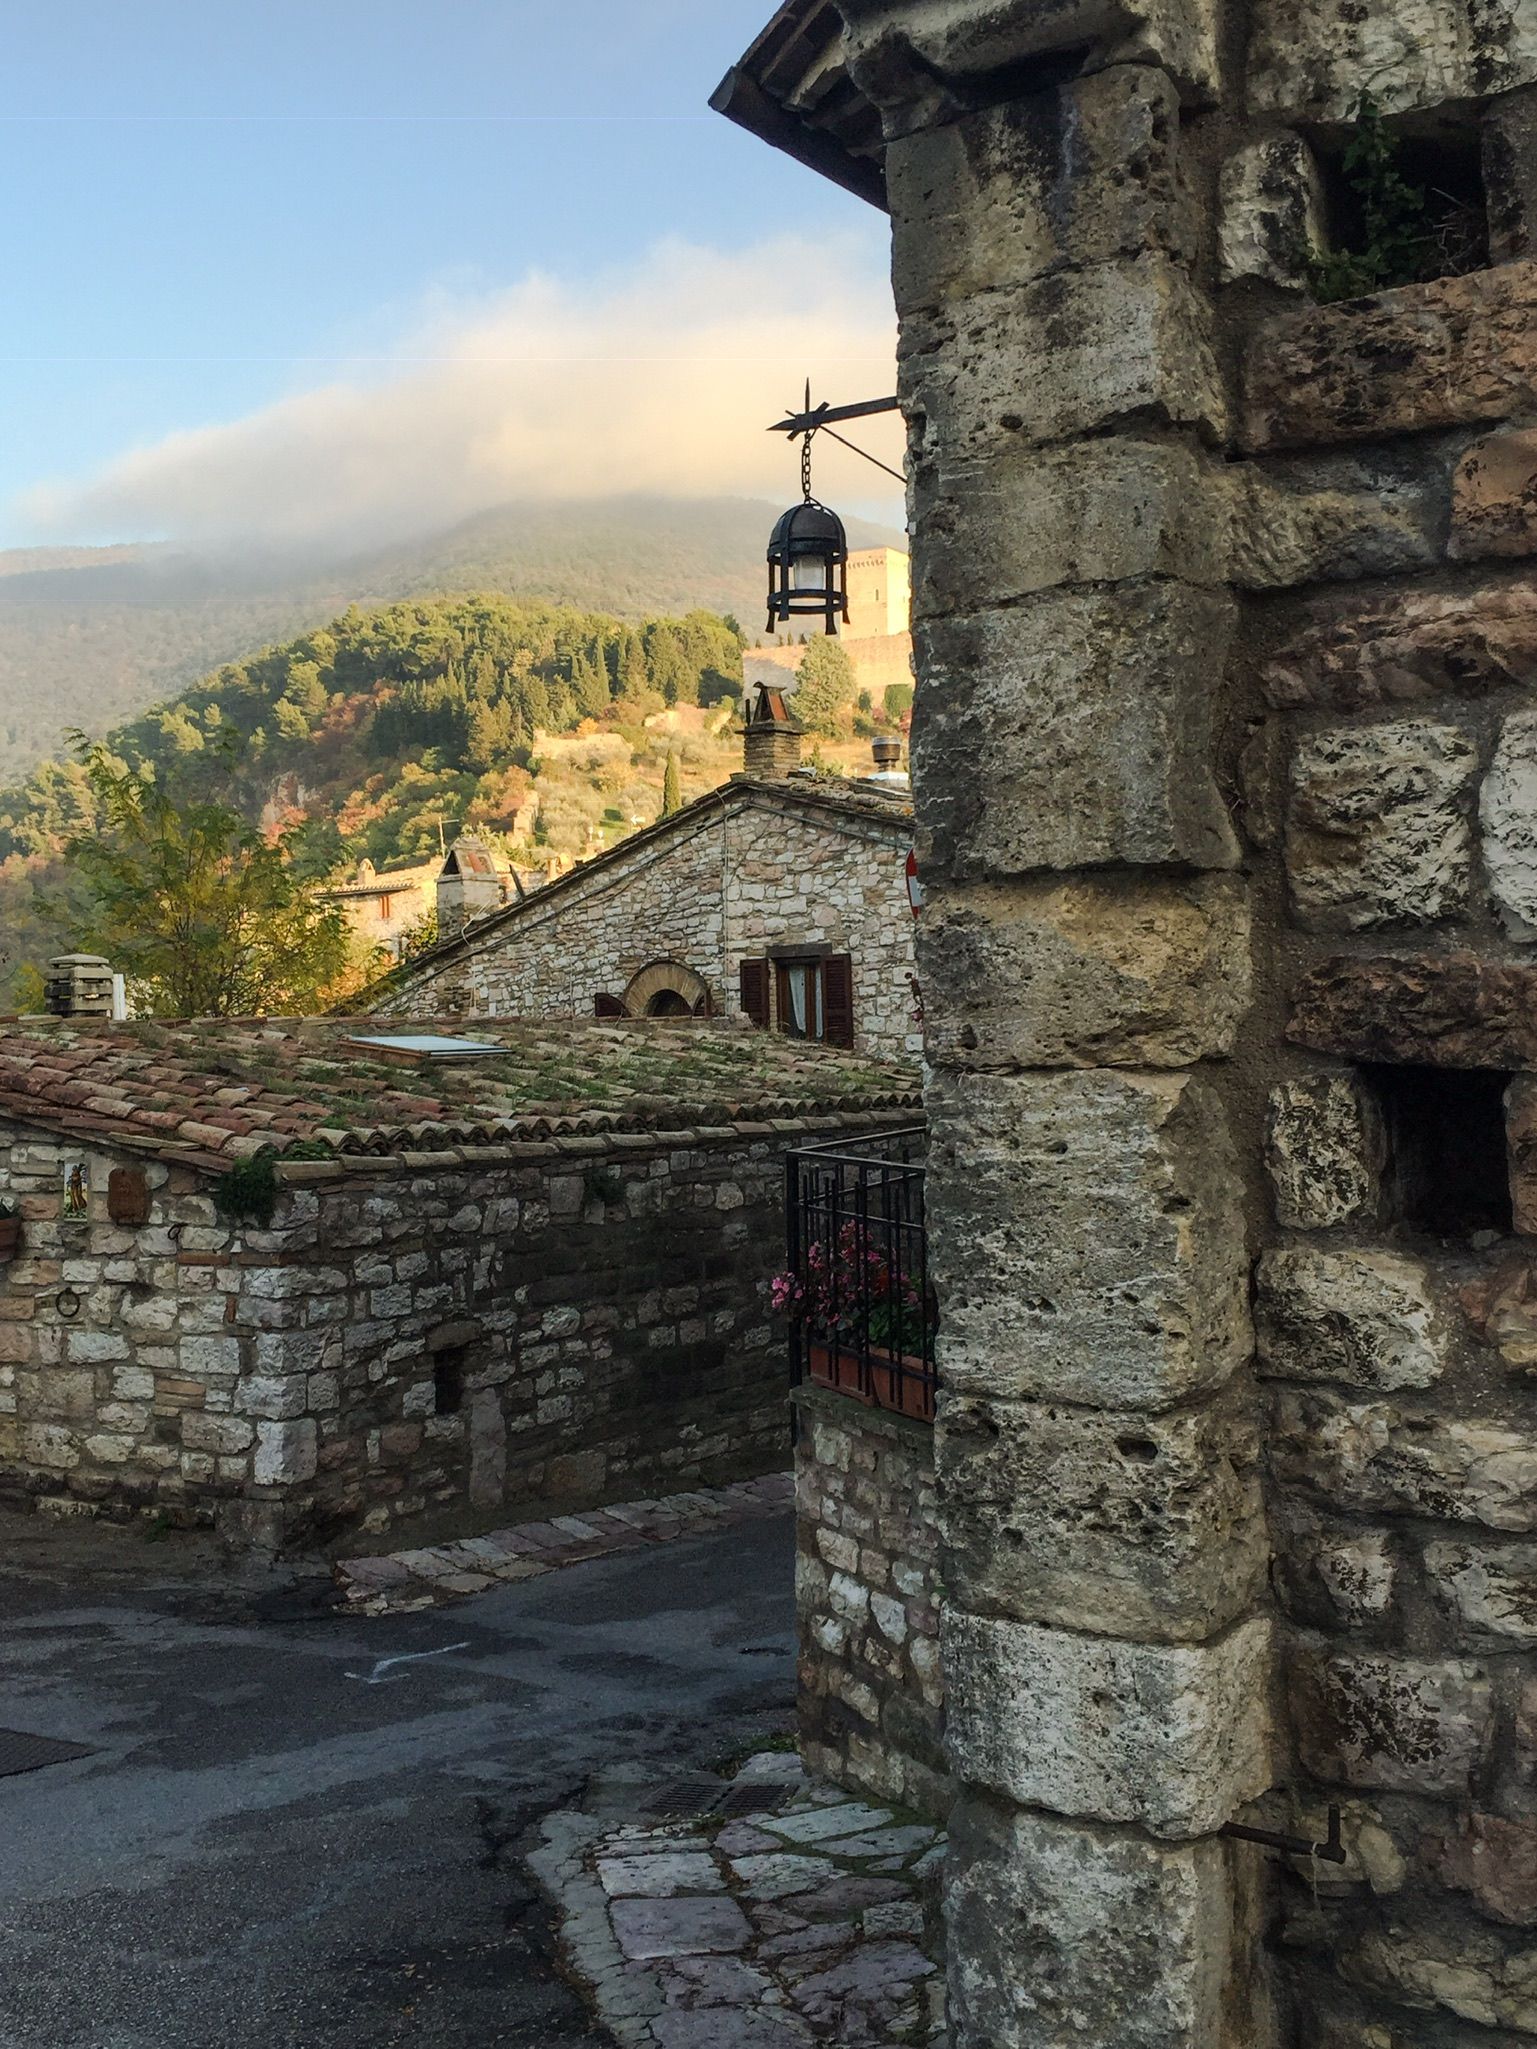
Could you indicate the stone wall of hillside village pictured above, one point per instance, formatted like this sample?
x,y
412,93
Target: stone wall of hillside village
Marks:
x,y
870,1690
503,1333
743,881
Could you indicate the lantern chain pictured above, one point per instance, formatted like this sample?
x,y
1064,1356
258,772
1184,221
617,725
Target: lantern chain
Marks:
x,y
806,468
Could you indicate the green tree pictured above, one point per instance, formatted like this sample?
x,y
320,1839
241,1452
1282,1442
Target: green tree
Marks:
x,y
204,916
824,690
672,786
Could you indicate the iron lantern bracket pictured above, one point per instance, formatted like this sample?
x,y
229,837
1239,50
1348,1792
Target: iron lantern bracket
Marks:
x,y
1330,1851
818,420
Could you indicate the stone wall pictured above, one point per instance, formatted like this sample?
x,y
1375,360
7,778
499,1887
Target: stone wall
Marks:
x,y
725,883
1226,788
867,1596
512,1330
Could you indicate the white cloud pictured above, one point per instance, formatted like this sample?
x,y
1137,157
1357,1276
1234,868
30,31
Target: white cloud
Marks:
x,y
659,378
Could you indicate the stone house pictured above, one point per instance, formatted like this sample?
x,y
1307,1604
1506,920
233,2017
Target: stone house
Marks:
x,y
782,896
1225,787
300,1279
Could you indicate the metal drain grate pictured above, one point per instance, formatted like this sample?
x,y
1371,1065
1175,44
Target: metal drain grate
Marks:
x,y
709,1796
20,1752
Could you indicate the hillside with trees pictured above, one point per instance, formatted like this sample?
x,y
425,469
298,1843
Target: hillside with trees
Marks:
x,y
549,730
92,637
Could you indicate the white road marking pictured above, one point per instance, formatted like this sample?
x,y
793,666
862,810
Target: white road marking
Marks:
x,y
382,1665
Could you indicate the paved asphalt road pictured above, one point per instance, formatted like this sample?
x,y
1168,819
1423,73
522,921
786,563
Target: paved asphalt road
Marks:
x,y
266,1851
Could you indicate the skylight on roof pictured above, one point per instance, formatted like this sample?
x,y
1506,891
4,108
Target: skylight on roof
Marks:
x,y
425,1046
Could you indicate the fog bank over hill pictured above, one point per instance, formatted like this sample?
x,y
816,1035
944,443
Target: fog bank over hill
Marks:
x,y
92,636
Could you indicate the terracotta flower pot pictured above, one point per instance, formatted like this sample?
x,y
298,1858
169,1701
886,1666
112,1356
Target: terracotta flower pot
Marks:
x,y
837,1369
884,1384
901,1383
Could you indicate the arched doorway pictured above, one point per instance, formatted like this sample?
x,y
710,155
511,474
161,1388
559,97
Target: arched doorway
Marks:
x,y
666,988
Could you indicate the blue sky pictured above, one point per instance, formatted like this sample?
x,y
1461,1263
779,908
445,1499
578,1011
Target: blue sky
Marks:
x,y
243,240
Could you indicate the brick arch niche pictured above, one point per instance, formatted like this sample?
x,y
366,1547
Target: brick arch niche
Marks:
x,y
666,988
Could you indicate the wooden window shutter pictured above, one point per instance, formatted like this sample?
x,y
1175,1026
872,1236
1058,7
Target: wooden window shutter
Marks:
x,y
838,999
755,991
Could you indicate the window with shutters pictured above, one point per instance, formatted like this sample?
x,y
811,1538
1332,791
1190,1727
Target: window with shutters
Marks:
x,y
755,992
805,996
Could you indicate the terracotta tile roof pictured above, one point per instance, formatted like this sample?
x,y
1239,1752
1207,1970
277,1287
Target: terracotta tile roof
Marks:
x,y
210,1091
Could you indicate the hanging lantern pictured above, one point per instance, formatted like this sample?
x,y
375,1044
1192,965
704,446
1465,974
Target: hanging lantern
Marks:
x,y
808,555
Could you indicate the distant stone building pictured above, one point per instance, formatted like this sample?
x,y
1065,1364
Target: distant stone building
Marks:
x,y
297,1278
380,909
782,896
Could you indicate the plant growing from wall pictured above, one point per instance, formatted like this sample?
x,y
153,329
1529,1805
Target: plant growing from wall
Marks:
x,y
1400,233
248,1193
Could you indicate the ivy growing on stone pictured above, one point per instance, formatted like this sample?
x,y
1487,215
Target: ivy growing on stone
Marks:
x,y
248,1193
1398,232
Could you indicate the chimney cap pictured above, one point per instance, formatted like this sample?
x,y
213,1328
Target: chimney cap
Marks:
x,y
768,708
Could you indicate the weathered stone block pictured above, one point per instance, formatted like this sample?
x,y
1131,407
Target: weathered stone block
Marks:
x,y
286,1452
1372,1456
1454,353
1272,211
1073,731
1332,518
1310,57
1351,651
916,58
1501,1304
1073,353
1124,1524
1442,1010
983,201
1086,972
1174,1738
1496,1861
1021,520
1507,811
1332,1575
1377,829
1448,1971
1084,1236
1490,1591
1393,1724
1508,133
1363,1318
1062,1933
1494,497
1326,1151
218,1434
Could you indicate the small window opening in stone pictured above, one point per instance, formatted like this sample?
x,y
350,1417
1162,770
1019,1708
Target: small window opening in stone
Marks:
x,y
1446,1145
448,1381
1401,206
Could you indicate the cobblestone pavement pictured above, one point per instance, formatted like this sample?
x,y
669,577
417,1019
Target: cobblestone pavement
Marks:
x,y
810,1917
401,1581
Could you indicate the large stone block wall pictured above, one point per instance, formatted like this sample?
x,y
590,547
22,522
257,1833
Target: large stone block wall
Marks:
x,y
523,1329
1226,790
744,880
870,1690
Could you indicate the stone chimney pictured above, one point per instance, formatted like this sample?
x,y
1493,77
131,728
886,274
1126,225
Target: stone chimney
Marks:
x,y
771,738
469,885
80,985
887,749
